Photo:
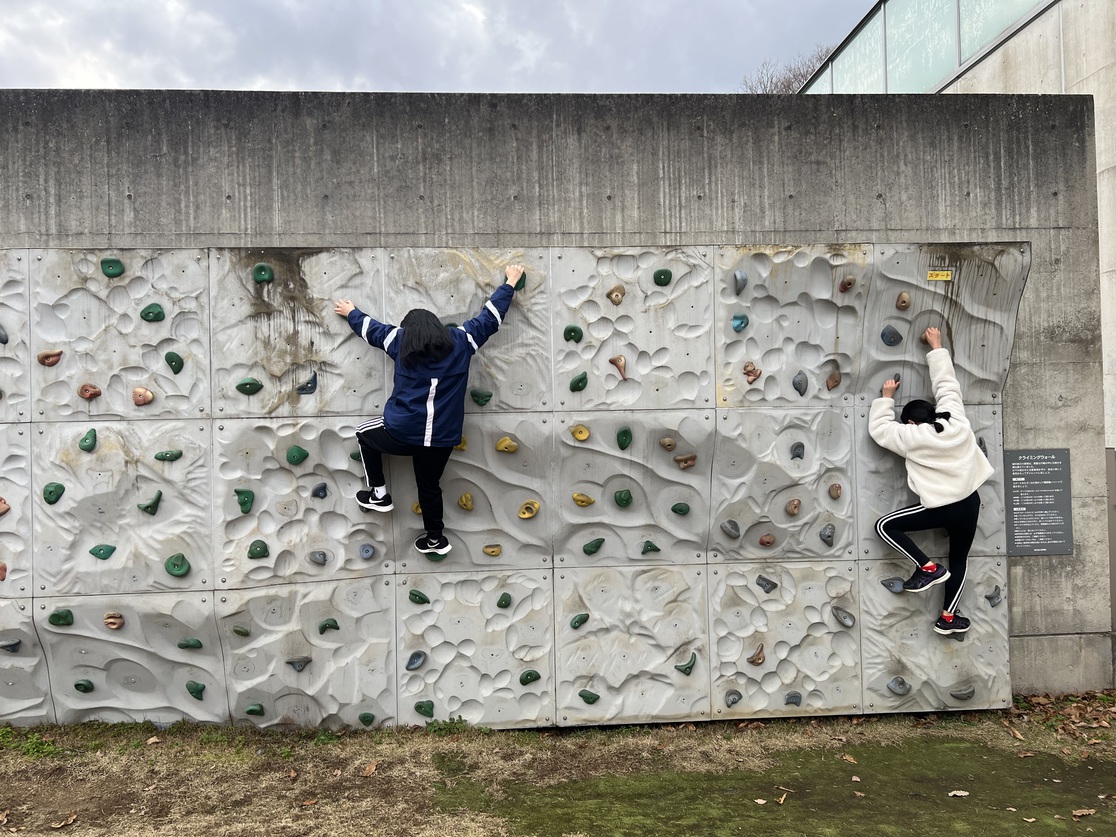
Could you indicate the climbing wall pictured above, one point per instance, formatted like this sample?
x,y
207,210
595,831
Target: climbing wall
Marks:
x,y
661,509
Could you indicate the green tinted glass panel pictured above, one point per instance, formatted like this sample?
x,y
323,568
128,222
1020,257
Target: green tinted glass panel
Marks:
x,y
983,20
820,84
860,66
921,44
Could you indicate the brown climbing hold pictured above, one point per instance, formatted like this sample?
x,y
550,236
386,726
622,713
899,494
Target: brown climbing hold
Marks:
x,y
847,284
757,658
507,445
3,570
114,621
904,301
793,507
49,357
529,509
835,491
4,507
751,372
583,500
416,508
89,391
668,443
466,501
687,460
493,549
833,380
142,396
767,539
616,294
621,364
580,432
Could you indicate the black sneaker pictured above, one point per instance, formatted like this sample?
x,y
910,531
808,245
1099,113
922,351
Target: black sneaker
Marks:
x,y
367,500
925,579
433,544
958,625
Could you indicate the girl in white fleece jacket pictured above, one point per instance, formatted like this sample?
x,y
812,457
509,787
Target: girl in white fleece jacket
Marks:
x,y
945,466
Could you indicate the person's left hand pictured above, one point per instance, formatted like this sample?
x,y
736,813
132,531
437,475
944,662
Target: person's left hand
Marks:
x,y
513,272
343,307
889,388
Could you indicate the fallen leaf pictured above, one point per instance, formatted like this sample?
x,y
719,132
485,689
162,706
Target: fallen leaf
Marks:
x,y
1026,755
293,774
4,815
368,771
1015,733
153,740
849,758
1084,812
1060,817
68,821
782,799
958,793
856,778
1011,809
858,793
337,773
788,790
761,801
1028,819
309,802
149,788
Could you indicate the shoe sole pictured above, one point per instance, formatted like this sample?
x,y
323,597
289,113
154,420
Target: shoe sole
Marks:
x,y
928,585
951,631
370,507
444,551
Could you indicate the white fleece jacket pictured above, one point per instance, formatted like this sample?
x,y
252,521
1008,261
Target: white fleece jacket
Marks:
x,y
942,468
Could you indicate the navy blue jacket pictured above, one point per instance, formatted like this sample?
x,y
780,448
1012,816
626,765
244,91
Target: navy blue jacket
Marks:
x,y
427,403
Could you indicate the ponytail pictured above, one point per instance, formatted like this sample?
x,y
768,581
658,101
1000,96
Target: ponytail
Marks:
x,y
923,412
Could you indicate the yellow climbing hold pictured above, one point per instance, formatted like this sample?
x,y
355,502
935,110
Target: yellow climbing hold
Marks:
x,y
464,442
507,445
416,508
493,549
466,501
583,500
580,432
529,509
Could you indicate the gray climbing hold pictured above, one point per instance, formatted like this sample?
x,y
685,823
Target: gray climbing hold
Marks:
x,y
299,663
963,694
891,336
894,584
739,281
898,686
367,550
320,491
994,598
983,447
10,645
731,528
310,386
793,699
826,534
843,616
799,382
765,583
3,336
240,629
733,697
415,661
798,450
319,557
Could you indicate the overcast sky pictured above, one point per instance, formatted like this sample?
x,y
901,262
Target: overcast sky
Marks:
x,y
499,46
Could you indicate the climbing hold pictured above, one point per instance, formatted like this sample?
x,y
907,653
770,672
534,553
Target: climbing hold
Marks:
x,y
793,699
89,391
103,551
507,445
843,616
318,556
153,313
52,492
480,396
240,629
579,382
623,498
299,663
680,508
731,528
141,396
687,667
765,583
84,686
579,620
835,491
799,382
320,491
113,620
668,443
464,444
328,624
572,332
244,497
767,539
4,509
826,534
529,509
662,277
833,380
254,709
177,565
732,697
891,336
195,689
168,455
751,372
898,686
983,447
593,546
174,361
190,643
418,597
963,694
624,437
3,336
739,281
588,697
88,442
793,507
521,283
739,322
492,549
649,546
425,708
894,584
798,450
415,661
616,294
61,618
583,500
152,505
249,386
580,432
504,601
903,301
355,455
529,676
466,501
12,646
416,508
262,272
49,357
366,718
112,267
310,386
686,460
296,455
847,284
994,598
621,364
758,656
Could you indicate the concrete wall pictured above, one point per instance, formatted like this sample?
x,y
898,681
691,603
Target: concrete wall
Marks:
x,y
173,171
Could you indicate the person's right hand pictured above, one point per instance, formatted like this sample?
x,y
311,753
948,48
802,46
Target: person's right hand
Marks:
x,y
933,338
889,388
513,272
343,307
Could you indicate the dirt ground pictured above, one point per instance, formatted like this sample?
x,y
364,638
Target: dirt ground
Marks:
x,y
1056,754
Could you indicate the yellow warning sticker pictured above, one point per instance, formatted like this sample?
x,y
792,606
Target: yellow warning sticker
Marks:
x,y
939,275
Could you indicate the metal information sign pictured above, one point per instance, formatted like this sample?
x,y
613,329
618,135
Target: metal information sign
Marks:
x,y
1039,503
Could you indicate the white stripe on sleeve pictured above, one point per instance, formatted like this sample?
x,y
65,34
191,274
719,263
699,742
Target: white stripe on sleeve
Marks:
x,y
364,329
391,336
472,342
495,313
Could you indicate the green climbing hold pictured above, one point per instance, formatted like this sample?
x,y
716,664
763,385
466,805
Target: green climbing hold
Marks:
x,y
245,497
53,491
195,689
623,498
177,565
425,708
480,396
593,546
152,505
240,629
62,618
168,455
573,332
103,551
418,597
680,508
662,277
687,668
88,442
112,267
588,697
355,455
624,437
296,455
579,382
328,624
254,709
262,272
153,313
174,361
649,546
191,643
504,600
84,686
529,676
258,549
367,718
249,386
579,620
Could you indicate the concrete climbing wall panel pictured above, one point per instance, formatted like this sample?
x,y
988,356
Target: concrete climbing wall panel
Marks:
x,y
631,643
119,334
477,646
786,639
311,654
25,695
146,657
15,349
122,507
15,511
632,328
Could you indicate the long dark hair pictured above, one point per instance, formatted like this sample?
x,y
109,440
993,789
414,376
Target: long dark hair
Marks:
x,y
424,338
923,412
